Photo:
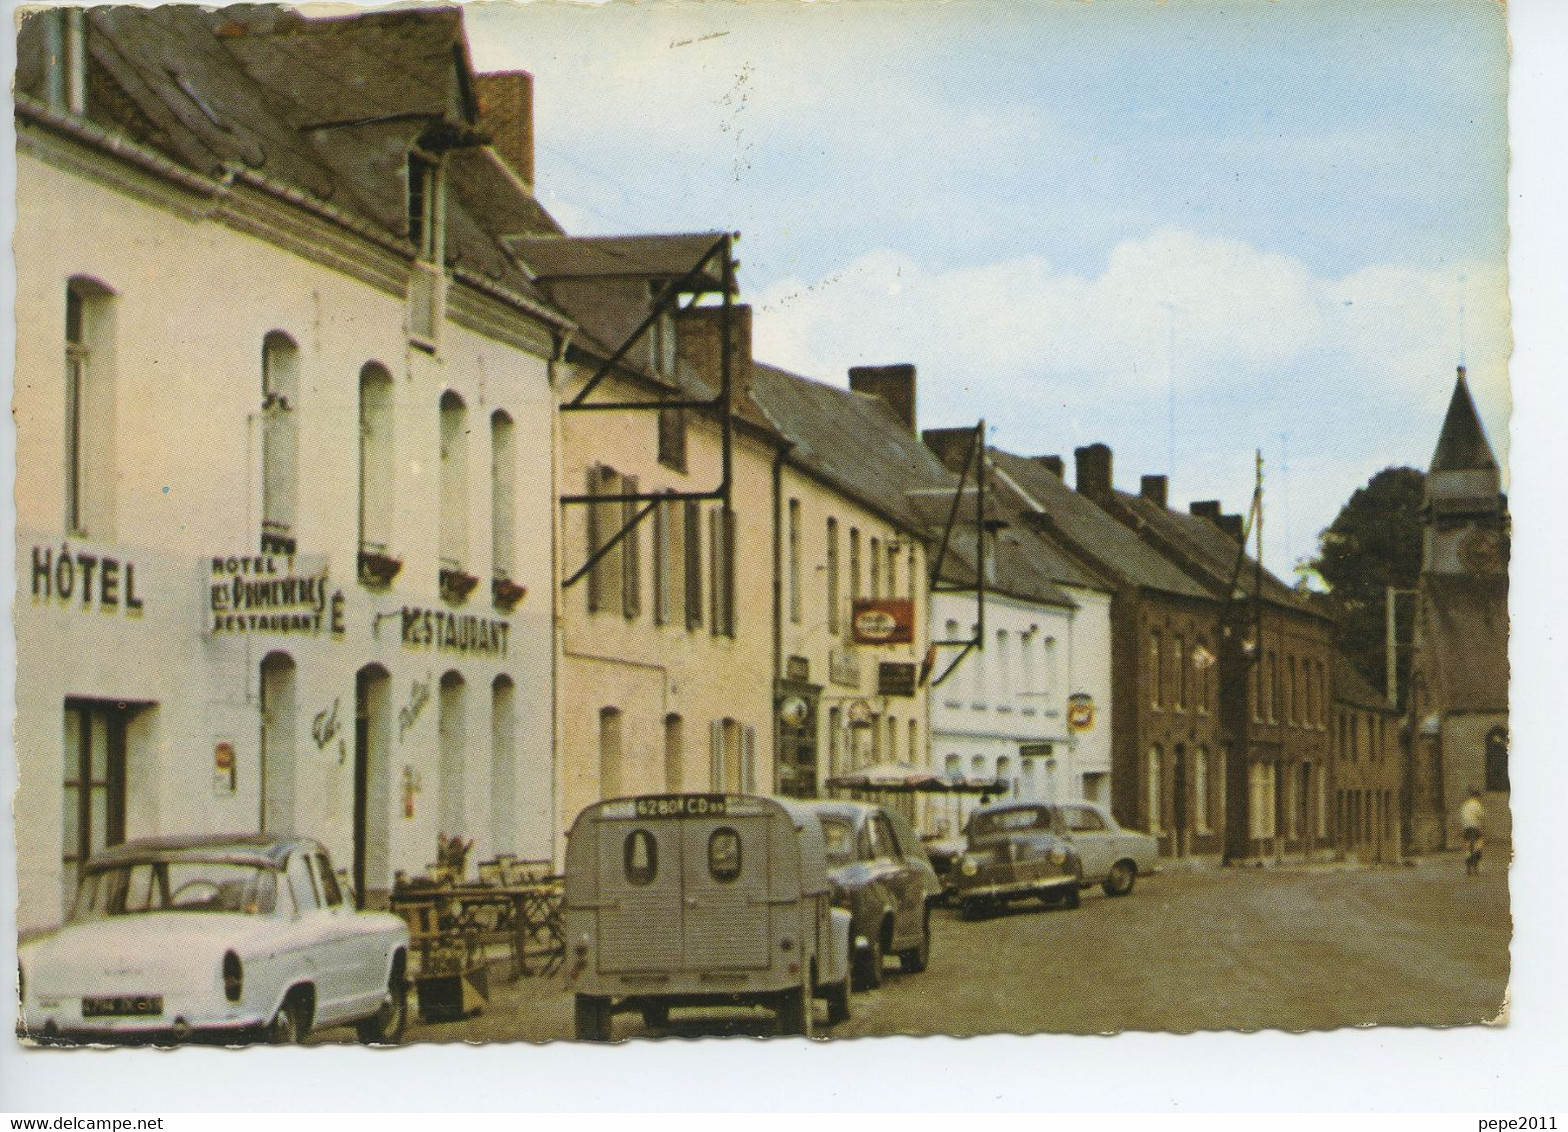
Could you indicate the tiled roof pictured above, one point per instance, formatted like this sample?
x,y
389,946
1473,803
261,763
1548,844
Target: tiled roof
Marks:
x,y
1086,529
1465,639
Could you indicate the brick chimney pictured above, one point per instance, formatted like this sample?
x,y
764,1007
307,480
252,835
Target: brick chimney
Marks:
x,y
1206,509
1094,469
697,342
1155,489
1231,525
895,384
506,112
951,446
1052,464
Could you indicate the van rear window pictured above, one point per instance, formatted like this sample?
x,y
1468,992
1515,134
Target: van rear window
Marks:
x,y
641,857
724,854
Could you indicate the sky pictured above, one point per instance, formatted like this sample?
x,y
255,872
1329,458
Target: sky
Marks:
x,y
1190,230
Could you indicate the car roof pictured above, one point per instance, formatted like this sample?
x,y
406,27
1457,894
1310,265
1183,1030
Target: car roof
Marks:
x,y
841,808
1003,807
267,850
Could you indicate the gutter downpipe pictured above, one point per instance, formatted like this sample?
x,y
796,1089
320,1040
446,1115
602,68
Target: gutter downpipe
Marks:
x,y
778,605
557,614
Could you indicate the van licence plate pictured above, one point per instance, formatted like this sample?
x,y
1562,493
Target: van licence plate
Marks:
x,y
123,1006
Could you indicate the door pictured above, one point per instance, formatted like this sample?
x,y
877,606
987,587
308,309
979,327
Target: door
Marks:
x,y
94,783
903,881
639,895
372,782
1096,848
317,940
726,919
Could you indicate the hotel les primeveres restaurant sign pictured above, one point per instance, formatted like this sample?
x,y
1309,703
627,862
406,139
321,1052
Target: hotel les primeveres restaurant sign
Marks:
x,y
272,593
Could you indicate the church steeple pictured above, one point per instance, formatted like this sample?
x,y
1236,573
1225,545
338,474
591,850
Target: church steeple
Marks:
x,y
1462,444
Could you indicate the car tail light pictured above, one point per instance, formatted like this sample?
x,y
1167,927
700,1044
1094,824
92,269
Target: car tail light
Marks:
x,y
233,976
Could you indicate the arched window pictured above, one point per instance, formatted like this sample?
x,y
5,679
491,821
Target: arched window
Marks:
x,y
854,563
952,766
279,442
1200,790
503,495
874,552
452,729
674,753
611,753
89,408
375,459
1156,672
454,483
1152,790
277,743
503,763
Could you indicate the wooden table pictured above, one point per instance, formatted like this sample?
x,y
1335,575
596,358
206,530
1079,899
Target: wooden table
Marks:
x,y
464,920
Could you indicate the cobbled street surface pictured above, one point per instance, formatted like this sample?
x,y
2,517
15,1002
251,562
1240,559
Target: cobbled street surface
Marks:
x,y
1293,949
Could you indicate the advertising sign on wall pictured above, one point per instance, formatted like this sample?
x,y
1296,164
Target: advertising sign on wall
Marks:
x,y
884,621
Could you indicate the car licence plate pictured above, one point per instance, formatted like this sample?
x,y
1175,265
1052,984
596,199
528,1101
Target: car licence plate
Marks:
x,y
122,1006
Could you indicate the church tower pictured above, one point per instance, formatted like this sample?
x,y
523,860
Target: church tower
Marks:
x,y
1463,513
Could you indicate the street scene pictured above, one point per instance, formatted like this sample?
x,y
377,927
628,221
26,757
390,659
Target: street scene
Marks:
x,y
493,567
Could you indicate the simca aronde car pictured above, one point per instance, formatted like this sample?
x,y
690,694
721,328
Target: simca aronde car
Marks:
x,y
679,900
1017,850
240,937
1112,857
883,878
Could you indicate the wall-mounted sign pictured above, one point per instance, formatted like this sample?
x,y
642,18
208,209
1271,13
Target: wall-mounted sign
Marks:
x,y
794,711
844,668
797,668
225,769
272,593
1080,712
859,713
896,678
879,621
454,632
84,579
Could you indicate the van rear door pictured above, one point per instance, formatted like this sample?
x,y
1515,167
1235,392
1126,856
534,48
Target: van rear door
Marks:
x,y
639,895
727,914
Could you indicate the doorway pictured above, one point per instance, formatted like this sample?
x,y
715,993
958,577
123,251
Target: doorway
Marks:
x,y
372,780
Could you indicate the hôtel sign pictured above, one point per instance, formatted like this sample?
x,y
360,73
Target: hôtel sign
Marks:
x,y
85,580
268,593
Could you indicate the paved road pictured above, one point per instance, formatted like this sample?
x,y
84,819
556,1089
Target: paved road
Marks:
x,y
1223,949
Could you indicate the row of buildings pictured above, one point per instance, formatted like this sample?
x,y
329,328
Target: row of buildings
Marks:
x,y
357,499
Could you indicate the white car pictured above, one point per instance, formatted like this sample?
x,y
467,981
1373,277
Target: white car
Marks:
x,y
241,937
1112,857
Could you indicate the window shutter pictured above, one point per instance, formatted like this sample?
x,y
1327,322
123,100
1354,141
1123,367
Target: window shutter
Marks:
x,y
748,760
631,554
595,598
693,524
661,564
716,756
727,524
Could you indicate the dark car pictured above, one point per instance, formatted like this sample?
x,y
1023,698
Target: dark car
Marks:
x,y
1017,850
882,877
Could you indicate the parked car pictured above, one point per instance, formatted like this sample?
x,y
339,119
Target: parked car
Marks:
x,y
1112,857
1017,850
944,854
883,878
677,900
241,937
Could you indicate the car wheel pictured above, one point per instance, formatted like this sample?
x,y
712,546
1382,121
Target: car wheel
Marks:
x,y
916,959
794,1011
1119,881
971,909
290,1025
1073,897
591,1018
655,1015
837,996
868,965
385,1027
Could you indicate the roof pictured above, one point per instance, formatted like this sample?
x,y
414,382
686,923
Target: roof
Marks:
x,y
620,257
1087,530
1462,445
1465,640
307,108
852,441
265,850
1350,687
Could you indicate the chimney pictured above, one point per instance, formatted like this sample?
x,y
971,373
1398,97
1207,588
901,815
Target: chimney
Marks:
x,y
895,384
1206,509
1155,489
697,343
65,50
506,113
951,446
1231,525
1094,469
1052,464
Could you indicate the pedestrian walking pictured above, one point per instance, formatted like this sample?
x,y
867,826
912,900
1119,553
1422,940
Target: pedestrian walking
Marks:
x,y
1471,815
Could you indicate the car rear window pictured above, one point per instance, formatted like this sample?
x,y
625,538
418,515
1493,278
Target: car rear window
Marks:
x,y
1007,821
641,857
724,854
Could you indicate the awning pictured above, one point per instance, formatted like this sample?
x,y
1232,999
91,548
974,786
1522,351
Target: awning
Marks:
x,y
906,778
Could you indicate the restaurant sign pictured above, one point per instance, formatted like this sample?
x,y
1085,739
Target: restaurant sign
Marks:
x,y
272,593
880,621
454,632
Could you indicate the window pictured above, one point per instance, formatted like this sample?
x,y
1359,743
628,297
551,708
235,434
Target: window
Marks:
x,y
1200,791
674,754
833,610
89,408
452,731
952,766
1048,685
1180,681
503,763
874,552
426,207
977,766
375,459
835,740
724,854
1263,786
1203,671
640,857
1292,693
606,581
691,540
631,553
94,795
611,753
672,438
914,572
301,884
1257,690
721,552
667,559
1152,788
854,564
915,755
727,755
331,894
1156,672
1271,688
1497,760
794,561
662,341
279,442
892,569
454,483
503,495
277,743
1081,819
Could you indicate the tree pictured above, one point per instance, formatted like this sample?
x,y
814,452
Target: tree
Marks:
x,y
1374,543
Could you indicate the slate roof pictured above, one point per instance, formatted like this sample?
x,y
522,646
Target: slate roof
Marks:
x,y
1462,445
1350,687
1085,528
325,108
1465,639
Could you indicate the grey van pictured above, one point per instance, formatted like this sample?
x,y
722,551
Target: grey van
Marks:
x,y
677,900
